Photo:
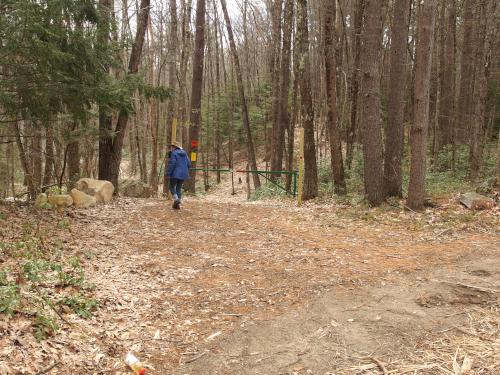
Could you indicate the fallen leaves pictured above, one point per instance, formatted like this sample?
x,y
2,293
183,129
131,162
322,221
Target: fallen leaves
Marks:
x,y
168,285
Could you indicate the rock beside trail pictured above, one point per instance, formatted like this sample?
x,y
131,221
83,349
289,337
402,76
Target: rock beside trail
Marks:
x,y
488,186
475,201
101,190
60,201
41,200
135,189
80,199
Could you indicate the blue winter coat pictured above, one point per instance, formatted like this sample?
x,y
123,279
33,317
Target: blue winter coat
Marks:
x,y
178,165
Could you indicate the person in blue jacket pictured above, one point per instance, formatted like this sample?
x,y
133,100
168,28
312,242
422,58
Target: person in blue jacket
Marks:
x,y
178,171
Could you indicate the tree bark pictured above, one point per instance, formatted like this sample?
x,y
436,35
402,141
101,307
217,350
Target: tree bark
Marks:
x,y
133,66
497,169
354,92
484,35
239,80
307,111
395,125
284,75
111,145
331,92
370,111
172,69
48,172
183,96
466,73
36,154
218,139
447,76
418,136
24,161
276,130
196,88
105,119
73,150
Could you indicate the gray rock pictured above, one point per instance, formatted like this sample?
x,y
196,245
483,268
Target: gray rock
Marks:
x,y
135,189
475,201
487,186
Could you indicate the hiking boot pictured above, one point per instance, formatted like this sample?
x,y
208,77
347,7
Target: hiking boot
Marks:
x,y
176,205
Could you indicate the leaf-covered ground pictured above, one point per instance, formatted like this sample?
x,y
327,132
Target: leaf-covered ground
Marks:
x,y
175,286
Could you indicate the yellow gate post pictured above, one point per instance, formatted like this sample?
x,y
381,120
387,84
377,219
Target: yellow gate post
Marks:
x,y
301,166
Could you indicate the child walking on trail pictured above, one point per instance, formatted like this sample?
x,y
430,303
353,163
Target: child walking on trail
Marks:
x,y
178,171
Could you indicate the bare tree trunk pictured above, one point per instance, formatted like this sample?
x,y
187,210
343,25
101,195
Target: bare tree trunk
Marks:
x,y
133,65
331,92
284,117
447,75
484,35
276,149
172,68
310,168
24,161
110,150
154,104
395,125
293,121
48,173
143,139
73,151
105,119
181,107
137,138
218,140
370,112
36,155
239,80
466,73
354,93
497,169
423,63
196,88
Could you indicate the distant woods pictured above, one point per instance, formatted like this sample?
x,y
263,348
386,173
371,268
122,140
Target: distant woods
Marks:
x,y
386,91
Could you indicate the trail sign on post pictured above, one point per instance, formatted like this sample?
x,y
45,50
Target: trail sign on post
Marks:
x,y
301,166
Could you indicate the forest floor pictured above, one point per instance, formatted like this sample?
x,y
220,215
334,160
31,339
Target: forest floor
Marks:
x,y
229,286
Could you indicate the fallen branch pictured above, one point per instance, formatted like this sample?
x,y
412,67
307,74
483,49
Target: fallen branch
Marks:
x,y
47,369
228,314
480,288
379,364
195,358
356,307
472,334
408,208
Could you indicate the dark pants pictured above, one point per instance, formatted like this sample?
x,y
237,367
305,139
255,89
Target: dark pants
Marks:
x,y
176,188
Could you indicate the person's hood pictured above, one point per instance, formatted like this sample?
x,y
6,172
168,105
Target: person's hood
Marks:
x,y
180,152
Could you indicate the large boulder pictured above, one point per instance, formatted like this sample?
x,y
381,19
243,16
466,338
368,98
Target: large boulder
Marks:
x,y
80,199
135,189
60,201
475,201
101,190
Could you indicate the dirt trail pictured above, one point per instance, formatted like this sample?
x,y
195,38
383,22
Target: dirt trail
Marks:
x,y
177,284
228,287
